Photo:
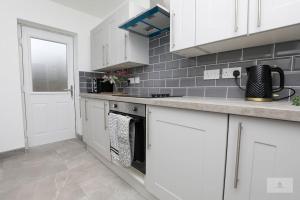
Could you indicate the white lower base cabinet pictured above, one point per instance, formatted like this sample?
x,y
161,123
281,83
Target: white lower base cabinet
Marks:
x,y
186,154
95,125
263,161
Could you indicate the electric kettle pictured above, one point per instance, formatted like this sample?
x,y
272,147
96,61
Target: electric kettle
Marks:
x,y
259,85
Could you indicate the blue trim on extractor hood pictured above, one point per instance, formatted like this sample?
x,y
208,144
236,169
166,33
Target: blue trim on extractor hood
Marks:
x,y
145,19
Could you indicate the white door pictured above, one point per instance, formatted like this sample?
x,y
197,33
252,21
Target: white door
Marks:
x,y
183,19
220,19
48,86
271,14
266,150
186,157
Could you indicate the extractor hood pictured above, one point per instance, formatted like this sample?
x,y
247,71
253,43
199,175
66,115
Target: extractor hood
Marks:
x,y
149,23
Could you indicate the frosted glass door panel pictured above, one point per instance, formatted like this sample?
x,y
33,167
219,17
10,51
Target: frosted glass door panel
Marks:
x,y
49,66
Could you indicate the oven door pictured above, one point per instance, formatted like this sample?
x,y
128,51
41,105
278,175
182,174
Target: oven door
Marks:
x,y
139,159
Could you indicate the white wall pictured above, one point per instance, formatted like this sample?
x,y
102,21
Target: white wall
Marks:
x,y
43,12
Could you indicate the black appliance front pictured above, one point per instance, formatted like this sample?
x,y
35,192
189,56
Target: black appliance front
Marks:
x,y
139,159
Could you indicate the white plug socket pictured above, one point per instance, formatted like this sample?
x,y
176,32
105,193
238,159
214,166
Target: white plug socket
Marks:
x,y
137,80
228,72
211,74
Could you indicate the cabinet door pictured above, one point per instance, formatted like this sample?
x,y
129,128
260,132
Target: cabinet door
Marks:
x,y
118,37
98,134
186,159
182,24
83,119
220,19
98,51
265,15
268,149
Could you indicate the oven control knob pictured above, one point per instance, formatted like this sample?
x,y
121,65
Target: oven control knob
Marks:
x,y
115,105
135,109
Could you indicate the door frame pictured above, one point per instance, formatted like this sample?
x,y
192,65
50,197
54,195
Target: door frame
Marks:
x,y
23,23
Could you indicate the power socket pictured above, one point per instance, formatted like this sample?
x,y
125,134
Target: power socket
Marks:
x,y
228,72
211,74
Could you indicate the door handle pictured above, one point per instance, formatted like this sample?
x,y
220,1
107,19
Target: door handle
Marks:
x,y
105,125
148,133
85,110
70,90
125,47
107,54
236,16
258,13
103,57
237,158
173,30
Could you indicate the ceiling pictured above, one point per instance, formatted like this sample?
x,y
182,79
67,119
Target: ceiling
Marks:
x,y
98,8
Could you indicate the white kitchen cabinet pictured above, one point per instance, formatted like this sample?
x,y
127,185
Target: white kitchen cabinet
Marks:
x,y
265,149
265,15
202,27
182,26
83,114
186,154
95,126
117,48
220,20
99,45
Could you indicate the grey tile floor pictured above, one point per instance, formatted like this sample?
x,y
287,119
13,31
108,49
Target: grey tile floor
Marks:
x,y
60,171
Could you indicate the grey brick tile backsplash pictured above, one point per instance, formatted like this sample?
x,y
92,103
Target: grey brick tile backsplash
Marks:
x,y
207,59
198,92
287,48
179,91
216,92
284,63
265,51
196,71
188,82
166,74
154,75
172,83
178,75
229,56
296,65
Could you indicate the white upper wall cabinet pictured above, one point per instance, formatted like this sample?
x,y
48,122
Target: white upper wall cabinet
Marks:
x,y
182,24
209,26
266,15
114,48
220,19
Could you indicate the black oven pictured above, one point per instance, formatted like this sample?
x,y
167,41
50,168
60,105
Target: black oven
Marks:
x,y
138,114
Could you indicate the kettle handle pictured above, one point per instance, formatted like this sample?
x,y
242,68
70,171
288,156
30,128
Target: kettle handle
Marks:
x,y
281,74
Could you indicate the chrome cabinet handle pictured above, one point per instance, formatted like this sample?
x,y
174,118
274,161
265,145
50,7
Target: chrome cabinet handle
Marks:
x,y
237,158
125,47
105,125
103,57
173,30
107,54
259,13
85,110
148,133
236,16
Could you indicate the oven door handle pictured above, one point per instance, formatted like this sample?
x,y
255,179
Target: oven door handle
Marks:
x,y
148,133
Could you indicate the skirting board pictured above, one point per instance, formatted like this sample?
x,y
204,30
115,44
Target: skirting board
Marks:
x,y
139,187
12,153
